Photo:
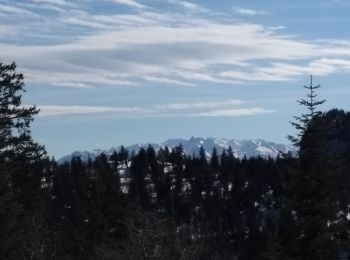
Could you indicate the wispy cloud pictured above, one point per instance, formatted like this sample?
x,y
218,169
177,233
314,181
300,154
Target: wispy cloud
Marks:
x,y
148,46
8,9
130,3
189,6
285,72
81,78
43,6
233,112
244,11
70,84
167,81
203,104
219,108
139,53
62,3
49,111
90,23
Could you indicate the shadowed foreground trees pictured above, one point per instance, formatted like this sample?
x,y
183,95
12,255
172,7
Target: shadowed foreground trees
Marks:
x,y
311,204
168,205
22,193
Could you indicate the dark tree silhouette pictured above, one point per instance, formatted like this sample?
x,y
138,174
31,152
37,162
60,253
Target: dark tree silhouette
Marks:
x,y
311,104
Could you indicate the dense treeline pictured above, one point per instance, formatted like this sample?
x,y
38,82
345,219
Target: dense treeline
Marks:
x,y
218,209
168,205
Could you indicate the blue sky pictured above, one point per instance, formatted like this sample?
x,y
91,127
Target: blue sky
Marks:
x,y
112,72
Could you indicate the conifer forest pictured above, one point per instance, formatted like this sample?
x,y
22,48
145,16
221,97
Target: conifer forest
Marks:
x,y
164,204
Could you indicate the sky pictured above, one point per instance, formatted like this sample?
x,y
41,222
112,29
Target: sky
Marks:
x,y
111,72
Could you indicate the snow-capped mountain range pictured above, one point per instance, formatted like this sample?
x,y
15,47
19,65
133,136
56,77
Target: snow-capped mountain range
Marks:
x,y
241,148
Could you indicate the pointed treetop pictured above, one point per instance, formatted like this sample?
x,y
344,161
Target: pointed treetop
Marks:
x,y
311,104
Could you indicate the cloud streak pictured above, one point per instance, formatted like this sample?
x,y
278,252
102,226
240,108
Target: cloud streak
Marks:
x,y
150,47
250,12
130,3
203,104
220,108
61,3
50,111
233,112
189,6
287,72
7,10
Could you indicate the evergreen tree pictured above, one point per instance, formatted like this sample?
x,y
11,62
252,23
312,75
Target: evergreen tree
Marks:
x,y
107,220
224,174
214,162
312,202
178,172
20,167
311,104
137,186
115,160
155,173
315,198
123,155
178,162
205,171
69,210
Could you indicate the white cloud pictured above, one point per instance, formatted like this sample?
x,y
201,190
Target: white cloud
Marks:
x,y
85,22
49,111
277,72
62,3
140,52
192,7
167,81
70,84
276,28
203,104
131,3
233,112
71,77
190,109
43,6
9,9
285,71
143,47
251,12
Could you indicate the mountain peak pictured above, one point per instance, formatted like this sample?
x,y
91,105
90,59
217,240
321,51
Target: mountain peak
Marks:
x,y
241,148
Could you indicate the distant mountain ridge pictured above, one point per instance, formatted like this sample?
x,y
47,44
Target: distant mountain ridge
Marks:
x,y
241,148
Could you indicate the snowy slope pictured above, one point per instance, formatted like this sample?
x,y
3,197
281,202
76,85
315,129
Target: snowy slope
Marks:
x,y
241,148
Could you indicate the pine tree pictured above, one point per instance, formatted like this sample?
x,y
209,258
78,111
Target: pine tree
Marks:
x,y
106,222
137,186
311,104
20,168
214,161
315,194
69,210
15,139
115,160
205,171
123,155
312,188
155,172
178,172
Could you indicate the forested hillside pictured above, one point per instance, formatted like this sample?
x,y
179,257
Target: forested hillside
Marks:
x,y
191,146
169,205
